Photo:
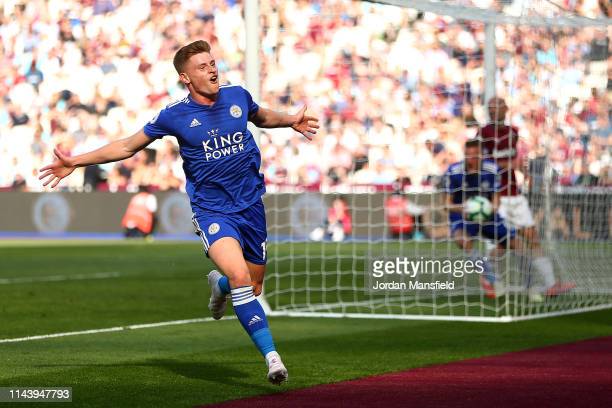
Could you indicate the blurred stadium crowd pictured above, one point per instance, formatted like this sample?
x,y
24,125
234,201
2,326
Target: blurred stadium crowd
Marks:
x,y
398,91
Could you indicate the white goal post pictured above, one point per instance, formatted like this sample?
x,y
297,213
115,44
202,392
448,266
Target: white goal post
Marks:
x,y
318,266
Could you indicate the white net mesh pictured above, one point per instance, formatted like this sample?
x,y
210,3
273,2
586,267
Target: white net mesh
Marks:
x,y
399,91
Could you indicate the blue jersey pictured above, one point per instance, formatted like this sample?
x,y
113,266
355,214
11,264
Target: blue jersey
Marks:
x,y
220,157
461,185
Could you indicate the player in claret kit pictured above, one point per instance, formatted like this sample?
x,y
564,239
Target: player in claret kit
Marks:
x,y
469,178
499,143
221,162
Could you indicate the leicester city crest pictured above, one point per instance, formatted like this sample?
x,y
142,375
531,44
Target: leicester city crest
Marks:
x,y
235,111
213,228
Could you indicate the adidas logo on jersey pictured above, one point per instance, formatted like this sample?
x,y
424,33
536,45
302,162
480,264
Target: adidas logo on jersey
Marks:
x,y
255,319
194,123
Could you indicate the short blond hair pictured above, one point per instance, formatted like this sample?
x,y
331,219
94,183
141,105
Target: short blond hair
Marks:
x,y
187,51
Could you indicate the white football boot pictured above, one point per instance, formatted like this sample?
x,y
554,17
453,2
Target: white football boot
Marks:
x,y
218,301
277,373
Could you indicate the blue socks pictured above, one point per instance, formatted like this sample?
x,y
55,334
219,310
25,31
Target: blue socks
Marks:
x,y
252,317
224,285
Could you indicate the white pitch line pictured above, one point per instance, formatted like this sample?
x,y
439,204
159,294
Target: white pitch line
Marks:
x,y
112,329
58,278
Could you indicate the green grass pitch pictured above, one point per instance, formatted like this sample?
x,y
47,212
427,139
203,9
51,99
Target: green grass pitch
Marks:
x,y
199,363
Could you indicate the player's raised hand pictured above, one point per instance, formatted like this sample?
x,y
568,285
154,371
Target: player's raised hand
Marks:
x,y
62,167
304,124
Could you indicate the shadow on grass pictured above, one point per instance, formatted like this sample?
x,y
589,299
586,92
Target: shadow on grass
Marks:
x,y
222,373
207,371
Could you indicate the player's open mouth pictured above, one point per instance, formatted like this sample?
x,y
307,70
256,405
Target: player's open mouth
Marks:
x,y
213,79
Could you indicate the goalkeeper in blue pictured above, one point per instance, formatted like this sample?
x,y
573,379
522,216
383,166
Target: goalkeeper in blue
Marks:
x,y
221,162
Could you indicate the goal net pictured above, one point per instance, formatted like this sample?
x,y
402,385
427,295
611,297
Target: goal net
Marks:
x,y
358,219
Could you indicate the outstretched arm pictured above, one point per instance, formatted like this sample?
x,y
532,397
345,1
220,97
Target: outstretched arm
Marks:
x,y
266,118
120,149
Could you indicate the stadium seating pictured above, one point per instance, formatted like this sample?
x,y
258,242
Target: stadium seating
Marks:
x,y
398,91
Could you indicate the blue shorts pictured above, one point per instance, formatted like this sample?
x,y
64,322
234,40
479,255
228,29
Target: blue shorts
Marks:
x,y
248,227
494,229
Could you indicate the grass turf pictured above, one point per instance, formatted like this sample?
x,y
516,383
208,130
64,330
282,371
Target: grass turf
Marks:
x,y
200,363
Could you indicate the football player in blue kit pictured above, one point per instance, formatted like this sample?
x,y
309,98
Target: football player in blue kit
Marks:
x,y
221,162
468,178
